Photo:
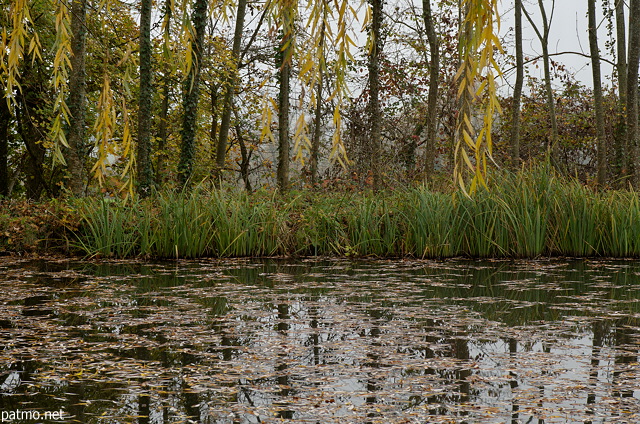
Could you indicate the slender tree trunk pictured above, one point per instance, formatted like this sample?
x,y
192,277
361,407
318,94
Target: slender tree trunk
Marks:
x,y
317,130
213,130
162,131
77,99
164,108
554,148
375,140
597,91
230,87
632,88
620,167
192,94
434,79
284,63
144,103
245,156
517,90
5,120
33,163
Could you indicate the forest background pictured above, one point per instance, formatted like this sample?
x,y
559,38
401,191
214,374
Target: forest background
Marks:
x,y
124,99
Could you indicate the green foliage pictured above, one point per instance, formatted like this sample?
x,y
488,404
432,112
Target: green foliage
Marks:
x,y
528,214
181,227
108,228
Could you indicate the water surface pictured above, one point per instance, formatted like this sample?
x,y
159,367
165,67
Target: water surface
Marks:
x,y
261,341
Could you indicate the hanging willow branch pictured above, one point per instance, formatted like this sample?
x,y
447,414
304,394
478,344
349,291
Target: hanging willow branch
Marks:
x,y
330,33
477,91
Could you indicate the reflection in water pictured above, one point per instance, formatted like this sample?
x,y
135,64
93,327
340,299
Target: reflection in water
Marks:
x,y
328,342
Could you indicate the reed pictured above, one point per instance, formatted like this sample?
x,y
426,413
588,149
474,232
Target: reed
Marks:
x,y
180,226
429,230
526,214
108,228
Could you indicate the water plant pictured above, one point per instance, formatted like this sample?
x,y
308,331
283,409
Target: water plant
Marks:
x,y
526,214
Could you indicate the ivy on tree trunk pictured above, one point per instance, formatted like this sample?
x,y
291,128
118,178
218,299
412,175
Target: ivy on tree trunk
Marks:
x,y
192,94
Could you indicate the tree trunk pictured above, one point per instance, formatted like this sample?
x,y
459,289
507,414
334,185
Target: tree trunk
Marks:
x,y
164,108
77,99
317,129
597,91
5,120
620,166
213,130
517,90
33,163
221,150
192,94
375,137
432,99
162,132
284,58
632,88
554,148
144,104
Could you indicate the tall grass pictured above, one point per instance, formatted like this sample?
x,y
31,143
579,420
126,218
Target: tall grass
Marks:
x,y
109,228
527,214
182,226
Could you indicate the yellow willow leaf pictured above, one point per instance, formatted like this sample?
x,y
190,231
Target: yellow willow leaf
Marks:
x,y
481,88
367,18
479,140
474,184
461,88
467,139
467,161
467,122
301,126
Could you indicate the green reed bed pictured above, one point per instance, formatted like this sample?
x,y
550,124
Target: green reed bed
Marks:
x,y
524,215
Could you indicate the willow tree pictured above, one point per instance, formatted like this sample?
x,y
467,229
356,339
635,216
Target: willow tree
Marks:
x,y
477,90
330,33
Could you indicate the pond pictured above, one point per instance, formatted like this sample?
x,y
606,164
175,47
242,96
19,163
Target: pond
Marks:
x,y
261,341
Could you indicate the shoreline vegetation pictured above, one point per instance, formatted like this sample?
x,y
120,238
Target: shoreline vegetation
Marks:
x,y
524,215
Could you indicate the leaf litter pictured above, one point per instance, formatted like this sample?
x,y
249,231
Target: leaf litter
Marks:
x,y
257,341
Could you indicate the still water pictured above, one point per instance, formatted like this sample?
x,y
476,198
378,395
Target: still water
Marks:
x,y
262,341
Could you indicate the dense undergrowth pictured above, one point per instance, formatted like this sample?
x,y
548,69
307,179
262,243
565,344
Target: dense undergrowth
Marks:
x,y
524,215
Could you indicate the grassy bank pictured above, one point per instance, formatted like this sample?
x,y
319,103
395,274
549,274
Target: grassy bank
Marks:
x,y
524,215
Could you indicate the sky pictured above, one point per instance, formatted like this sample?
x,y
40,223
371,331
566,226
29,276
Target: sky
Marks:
x,y
568,32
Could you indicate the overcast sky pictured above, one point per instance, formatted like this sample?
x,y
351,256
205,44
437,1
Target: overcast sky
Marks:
x,y
568,34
